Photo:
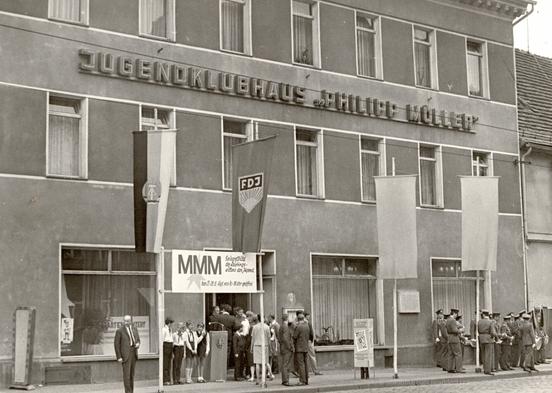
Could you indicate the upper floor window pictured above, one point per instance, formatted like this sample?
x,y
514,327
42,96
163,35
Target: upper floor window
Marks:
x,y
368,45
75,11
234,132
305,33
235,27
309,162
157,18
430,176
481,164
425,58
477,68
67,141
371,165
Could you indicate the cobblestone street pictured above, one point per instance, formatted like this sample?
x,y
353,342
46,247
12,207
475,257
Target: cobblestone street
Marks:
x,y
540,384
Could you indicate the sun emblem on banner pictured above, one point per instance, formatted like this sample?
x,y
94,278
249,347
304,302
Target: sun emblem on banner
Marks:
x,y
250,191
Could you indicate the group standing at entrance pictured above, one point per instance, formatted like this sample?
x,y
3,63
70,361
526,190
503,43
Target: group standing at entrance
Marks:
x,y
516,341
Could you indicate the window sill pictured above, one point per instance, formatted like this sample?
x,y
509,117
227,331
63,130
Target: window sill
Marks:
x,y
479,97
312,66
62,177
371,203
102,358
374,78
426,88
432,207
156,38
229,51
69,22
312,197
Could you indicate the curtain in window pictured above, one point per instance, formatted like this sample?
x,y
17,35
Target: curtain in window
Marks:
x,y
232,26
456,293
423,67
370,168
337,301
474,74
306,170
66,9
427,179
366,53
154,17
302,35
228,143
63,146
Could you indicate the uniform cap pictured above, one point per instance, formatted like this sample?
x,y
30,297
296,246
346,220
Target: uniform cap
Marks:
x,y
454,311
507,316
439,311
485,312
446,315
496,314
526,316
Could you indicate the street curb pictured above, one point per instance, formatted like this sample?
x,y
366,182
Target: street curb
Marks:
x,y
399,383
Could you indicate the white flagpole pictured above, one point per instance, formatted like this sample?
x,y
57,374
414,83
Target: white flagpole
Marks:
x,y
395,350
477,366
261,292
160,259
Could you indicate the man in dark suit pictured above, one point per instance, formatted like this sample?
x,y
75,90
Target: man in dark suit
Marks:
x,y
286,349
529,343
487,334
127,342
301,337
229,322
455,349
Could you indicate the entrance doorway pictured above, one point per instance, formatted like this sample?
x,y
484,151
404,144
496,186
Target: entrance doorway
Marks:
x,y
242,300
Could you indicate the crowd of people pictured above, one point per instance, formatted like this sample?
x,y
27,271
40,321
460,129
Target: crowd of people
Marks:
x,y
288,347
516,340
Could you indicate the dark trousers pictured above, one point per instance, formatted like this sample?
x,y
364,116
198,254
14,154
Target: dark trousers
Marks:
x,y
496,356
444,355
167,354
128,371
487,357
285,365
302,364
240,360
505,354
177,362
528,359
455,357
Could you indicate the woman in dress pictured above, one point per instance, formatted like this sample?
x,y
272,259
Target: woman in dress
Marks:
x,y
203,347
256,340
191,351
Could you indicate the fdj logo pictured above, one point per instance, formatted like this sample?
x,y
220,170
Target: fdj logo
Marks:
x,y
250,191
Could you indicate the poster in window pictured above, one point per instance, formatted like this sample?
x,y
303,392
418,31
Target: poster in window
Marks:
x,y
363,334
67,330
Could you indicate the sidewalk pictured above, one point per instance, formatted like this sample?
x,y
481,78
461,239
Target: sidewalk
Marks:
x,y
332,380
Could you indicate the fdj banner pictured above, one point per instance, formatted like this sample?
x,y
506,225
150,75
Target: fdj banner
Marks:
x,y
222,272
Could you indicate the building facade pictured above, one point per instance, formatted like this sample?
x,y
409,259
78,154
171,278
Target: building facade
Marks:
x,y
347,86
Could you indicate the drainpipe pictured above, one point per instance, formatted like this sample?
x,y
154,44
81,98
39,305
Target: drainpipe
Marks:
x,y
524,221
525,15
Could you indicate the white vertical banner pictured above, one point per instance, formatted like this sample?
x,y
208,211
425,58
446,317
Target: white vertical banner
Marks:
x,y
479,222
397,240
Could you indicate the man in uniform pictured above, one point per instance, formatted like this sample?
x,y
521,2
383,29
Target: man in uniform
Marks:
x,y
506,346
487,334
444,355
455,350
497,342
514,331
528,342
540,334
521,351
436,334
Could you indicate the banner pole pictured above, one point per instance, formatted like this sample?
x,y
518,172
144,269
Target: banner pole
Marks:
x,y
395,349
263,343
160,259
477,366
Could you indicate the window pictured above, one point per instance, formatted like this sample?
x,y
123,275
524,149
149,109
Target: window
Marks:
x,y
157,18
477,69
98,288
453,288
371,165
368,45
235,25
67,141
234,132
305,33
75,11
481,164
430,176
342,289
425,58
308,163
159,119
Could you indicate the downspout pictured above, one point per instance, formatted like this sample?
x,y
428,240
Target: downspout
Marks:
x,y
525,15
524,221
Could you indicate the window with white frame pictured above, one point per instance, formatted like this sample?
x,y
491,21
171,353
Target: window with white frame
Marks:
x,y
430,175
67,140
477,68
425,58
481,164
343,288
454,288
157,18
234,132
368,45
305,32
159,119
308,158
75,11
235,25
371,164
98,288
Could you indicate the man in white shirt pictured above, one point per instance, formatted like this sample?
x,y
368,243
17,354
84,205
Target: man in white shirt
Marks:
x,y
167,350
178,351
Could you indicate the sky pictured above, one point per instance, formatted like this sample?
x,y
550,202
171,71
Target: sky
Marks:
x,y
534,33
